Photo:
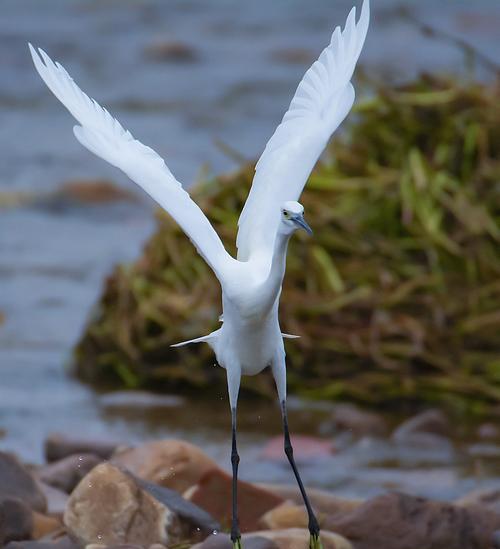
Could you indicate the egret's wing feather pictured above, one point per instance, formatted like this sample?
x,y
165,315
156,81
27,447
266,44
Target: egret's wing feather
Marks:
x,y
104,136
321,102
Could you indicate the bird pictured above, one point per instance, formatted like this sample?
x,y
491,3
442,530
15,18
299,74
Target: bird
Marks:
x,y
249,338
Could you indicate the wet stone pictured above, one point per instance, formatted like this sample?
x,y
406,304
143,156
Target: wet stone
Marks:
x,y
66,473
17,482
16,520
59,446
64,542
171,463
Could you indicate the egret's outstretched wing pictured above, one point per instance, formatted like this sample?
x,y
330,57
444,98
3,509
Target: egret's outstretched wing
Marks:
x,y
321,102
104,136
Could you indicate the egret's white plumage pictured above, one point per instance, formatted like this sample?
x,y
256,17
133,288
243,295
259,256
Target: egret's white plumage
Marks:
x,y
250,337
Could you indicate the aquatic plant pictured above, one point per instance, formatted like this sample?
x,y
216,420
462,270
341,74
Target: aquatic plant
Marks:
x,y
397,295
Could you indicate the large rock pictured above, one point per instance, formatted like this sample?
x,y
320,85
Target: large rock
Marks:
x,y
44,525
214,494
108,507
348,417
398,521
16,520
171,463
66,473
58,446
17,482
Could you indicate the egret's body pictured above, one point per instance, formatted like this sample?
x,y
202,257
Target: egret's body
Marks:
x,y
250,338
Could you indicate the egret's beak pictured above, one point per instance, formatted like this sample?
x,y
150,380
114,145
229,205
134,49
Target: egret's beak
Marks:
x,y
301,222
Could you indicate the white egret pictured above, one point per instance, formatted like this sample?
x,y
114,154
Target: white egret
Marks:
x,y
249,338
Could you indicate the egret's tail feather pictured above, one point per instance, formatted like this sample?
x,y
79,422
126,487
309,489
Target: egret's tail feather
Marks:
x,y
203,339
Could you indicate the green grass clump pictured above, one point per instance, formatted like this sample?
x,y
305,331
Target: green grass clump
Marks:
x,y
397,294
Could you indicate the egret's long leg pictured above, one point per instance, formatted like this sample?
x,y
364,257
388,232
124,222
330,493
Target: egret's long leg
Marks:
x,y
235,460
279,372
313,524
233,385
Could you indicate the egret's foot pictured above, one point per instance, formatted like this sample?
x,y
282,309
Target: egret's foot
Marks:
x,y
237,543
315,542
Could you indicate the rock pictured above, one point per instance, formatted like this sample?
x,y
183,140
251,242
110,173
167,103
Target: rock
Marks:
x,y
17,482
304,448
496,540
321,500
489,499
63,542
171,463
138,400
214,492
56,499
66,473
195,521
287,515
99,191
119,546
431,421
16,520
488,431
59,446
348,417
399,521
108,507
170,51
44,524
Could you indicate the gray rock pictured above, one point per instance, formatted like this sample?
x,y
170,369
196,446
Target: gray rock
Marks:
x,y
16,520
399,521
58,446
66,473
430,422
17,482
360,422
63,542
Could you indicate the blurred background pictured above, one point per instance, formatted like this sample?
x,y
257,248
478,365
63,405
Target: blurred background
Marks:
x,y
189,78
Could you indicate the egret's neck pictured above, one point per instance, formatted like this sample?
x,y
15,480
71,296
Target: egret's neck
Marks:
x,y
278,266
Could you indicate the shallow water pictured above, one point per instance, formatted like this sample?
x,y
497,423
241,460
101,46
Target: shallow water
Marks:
x,y
246,61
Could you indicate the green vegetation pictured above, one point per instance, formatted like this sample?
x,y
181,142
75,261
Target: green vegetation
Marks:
x,y
396,296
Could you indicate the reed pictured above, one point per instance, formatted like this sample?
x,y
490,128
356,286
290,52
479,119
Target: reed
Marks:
x,y
397,295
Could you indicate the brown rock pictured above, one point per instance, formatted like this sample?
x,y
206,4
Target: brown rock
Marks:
x,y
399,521
171,51
44,524
322,501
304,448
16,520
286,515
348,417
214,492
17,482
56,499
107,507
59,446
171,463
489,499
66,473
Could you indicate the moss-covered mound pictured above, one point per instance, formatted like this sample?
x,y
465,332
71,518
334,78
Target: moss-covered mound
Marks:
x,y
397,294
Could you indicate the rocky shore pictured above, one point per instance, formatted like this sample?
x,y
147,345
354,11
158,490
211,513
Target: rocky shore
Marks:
x,y
170,494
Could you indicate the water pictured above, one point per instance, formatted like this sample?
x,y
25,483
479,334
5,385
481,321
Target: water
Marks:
x,y
246,61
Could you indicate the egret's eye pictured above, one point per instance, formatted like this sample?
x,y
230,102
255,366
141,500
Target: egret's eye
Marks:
x,y
286,214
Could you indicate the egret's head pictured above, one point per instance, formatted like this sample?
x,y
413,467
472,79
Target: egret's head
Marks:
x,y
292,218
